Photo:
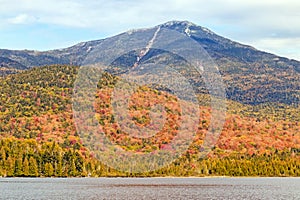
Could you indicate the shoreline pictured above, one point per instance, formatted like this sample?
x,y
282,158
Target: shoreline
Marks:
x,y
156,177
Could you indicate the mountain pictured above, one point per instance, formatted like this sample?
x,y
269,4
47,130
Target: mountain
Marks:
x,y
38,135
251,76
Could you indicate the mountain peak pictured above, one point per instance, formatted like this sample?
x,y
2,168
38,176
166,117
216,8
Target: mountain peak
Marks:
x,y
178,23
186,27
239,64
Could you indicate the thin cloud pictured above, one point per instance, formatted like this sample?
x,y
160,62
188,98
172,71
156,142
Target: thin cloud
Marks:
x,y
274,45
22,19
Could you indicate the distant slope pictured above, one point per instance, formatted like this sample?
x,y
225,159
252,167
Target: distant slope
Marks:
x,y
251,76
8,66
27,58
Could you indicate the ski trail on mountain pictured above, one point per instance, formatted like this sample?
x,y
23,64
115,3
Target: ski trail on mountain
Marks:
x,y
147,48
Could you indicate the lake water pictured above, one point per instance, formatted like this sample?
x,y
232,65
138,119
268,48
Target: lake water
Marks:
x,y
150,188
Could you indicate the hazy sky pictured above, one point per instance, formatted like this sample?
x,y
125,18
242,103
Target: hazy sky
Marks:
x,y
269,25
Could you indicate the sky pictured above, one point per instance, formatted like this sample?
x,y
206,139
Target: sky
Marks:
x,y
268,25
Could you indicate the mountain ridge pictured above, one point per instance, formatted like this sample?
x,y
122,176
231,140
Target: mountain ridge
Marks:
x,y
180,26
251,76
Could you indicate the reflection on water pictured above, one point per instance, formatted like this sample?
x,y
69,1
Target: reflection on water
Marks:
x,y
150,188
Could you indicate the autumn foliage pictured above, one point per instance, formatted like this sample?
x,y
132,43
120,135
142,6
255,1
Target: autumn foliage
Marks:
x,y
39,138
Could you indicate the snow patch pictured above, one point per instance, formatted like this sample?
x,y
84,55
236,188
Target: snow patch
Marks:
x,y
89,49
183,23
190,24
207,30
130,32
81,44
188,31
201,68
171,23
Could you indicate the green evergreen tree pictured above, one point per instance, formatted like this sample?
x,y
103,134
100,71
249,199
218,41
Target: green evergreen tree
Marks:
x,y
48,172
73,171
33,167
10,167
18,167
26,167
2,154
59,167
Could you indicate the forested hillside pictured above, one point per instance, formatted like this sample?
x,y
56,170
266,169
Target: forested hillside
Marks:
x,y
38,135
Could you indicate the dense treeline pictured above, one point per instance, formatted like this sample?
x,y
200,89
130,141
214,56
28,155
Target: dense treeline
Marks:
x,y
30,159
27,158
